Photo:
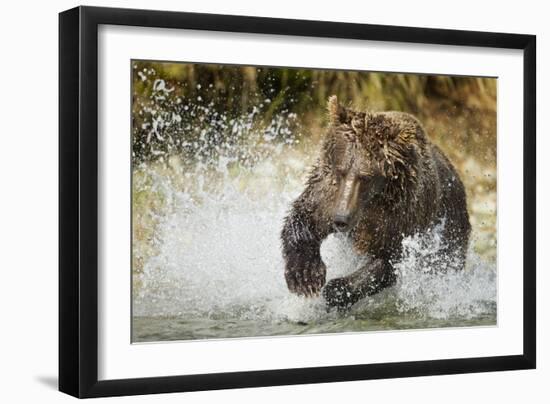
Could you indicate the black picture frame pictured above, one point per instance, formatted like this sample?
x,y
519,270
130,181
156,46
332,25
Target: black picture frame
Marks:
x,y
78,201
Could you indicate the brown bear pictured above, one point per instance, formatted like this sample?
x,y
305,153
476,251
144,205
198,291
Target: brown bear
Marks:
x,y
378,180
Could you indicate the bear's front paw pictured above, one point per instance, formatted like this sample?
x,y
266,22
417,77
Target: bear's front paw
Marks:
x,y
306,277
339,293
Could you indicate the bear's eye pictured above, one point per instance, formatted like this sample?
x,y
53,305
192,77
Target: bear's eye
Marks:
x,y
377,184
374,183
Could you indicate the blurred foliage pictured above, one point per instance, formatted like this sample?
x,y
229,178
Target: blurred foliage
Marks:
x,y
174,102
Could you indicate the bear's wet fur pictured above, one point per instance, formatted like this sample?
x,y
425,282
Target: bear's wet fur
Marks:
x,y
378,179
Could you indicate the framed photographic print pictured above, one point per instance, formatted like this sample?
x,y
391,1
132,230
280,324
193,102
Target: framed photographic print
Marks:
x,y
250,201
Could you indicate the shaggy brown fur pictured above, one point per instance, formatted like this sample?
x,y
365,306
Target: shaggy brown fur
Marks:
x,y
378,179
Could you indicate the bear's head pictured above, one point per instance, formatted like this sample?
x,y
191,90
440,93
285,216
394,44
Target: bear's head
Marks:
x,y
372,158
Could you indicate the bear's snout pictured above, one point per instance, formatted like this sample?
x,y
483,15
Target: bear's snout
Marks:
x,y
342,222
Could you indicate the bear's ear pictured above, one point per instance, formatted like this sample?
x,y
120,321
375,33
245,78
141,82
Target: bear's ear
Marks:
x,y
336,112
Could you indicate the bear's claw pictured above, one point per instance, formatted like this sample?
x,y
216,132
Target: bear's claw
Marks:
x,y
340,294
306,279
